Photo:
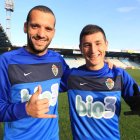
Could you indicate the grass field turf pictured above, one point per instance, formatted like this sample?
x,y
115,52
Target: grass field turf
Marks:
x,y
129,125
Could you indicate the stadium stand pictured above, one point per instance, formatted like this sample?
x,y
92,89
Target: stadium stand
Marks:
x,y
117,58
74,62
117,62
129,63
124,59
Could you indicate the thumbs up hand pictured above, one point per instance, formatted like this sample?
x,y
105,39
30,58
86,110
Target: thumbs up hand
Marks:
x,y
38,108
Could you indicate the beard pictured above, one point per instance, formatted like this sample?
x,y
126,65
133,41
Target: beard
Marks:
x,y
33,48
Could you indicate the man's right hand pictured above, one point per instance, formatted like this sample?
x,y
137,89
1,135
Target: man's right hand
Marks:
x,y
38,108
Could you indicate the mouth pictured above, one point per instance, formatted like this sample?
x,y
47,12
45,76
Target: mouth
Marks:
x,y
40,41
94,56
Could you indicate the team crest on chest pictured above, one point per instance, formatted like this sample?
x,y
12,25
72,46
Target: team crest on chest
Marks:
x,y
55,70
109,83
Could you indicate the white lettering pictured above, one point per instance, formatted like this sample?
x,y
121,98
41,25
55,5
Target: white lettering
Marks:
x,y
96,109
50,95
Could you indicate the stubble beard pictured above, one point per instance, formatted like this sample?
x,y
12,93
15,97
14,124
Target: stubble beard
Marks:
x,y
34,49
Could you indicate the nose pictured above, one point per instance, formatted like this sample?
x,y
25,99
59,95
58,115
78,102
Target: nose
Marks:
x,y
41,32
93,48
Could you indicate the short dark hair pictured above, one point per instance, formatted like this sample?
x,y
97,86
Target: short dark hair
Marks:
x,y
40,8
91,29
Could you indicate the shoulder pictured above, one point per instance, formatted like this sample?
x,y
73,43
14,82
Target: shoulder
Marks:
x,y
56,57
10,54
119,71
77,71
54,53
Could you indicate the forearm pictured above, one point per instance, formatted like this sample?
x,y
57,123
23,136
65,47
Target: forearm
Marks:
x,y
12,112
134,100
134,103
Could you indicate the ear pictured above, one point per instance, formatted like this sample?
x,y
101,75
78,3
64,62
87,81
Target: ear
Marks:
x,y
80,47
25,27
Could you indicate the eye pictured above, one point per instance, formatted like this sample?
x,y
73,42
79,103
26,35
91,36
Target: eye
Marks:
x,y
34,26
49,29
98,44
86,45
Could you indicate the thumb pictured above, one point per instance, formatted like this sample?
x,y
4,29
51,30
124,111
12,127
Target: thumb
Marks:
x,y
37,93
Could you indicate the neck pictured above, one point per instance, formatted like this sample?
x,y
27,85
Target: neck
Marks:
x,y
38,53
95,67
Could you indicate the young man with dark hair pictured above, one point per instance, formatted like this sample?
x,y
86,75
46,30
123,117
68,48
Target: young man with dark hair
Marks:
x,y
95,90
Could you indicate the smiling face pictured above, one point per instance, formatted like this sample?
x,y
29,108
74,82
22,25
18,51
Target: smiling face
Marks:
x,y
40,30
93,47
